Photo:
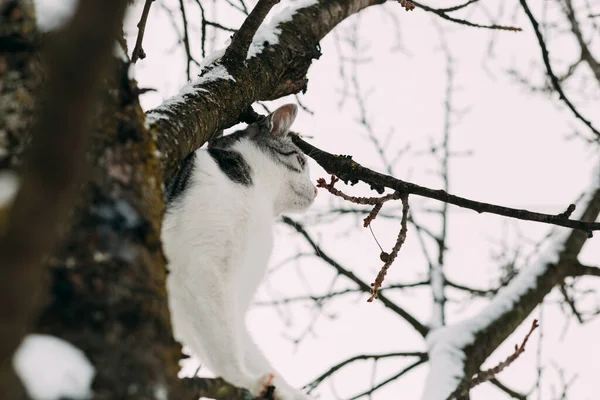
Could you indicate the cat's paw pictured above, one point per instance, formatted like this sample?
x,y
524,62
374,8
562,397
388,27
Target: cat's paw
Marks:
x,y
266,387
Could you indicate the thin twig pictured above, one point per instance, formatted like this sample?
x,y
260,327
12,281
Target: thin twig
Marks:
x,y
443,14
553,78
416,324
484,376
317,381
375,286
186,40
138,51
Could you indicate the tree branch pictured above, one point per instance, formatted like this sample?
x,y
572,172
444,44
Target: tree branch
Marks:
x,y
318,380
553,78
349,170
138,52
214,388
579,269
182,124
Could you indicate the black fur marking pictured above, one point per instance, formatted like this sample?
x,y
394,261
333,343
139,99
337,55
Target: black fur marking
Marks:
x,y
233,165
175,188
286,155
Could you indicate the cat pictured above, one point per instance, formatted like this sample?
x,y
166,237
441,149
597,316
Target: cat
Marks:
x,y
217,235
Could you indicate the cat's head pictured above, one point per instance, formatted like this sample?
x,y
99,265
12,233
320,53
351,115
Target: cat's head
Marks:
x,y
287,164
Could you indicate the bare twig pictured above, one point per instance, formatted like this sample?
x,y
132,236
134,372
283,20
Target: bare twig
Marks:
x,y
349,170
186,41
318,380
375,286
416,324
138,52
553,78
443,13
217,388
321,298
484,376
507,390
392,378
375,201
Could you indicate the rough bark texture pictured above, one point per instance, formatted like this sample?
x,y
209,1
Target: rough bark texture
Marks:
x,y
108,281
19,79
273,73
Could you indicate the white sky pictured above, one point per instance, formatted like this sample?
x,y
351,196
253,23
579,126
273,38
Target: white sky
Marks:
x,y
519,158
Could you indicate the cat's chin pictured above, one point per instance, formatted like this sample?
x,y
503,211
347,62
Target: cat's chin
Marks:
x,y
299,206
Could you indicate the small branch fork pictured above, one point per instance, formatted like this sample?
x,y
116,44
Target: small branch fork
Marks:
x,y
484,376
444,13
377,202
242,39
349,170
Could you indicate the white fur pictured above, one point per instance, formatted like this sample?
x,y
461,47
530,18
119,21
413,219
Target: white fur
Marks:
x,y
218,239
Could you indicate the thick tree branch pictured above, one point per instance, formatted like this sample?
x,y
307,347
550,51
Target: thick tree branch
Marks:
x,y
184,123
470,342
214,388
349,170
488,339
75,63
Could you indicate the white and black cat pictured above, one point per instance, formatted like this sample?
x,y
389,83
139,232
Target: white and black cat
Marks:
x,y
217,235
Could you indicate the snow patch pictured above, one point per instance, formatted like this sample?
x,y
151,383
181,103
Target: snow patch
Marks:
x,y
53,14
9,185
216,72
51,368
269,32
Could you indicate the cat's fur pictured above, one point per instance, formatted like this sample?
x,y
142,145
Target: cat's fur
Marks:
x,y
217,234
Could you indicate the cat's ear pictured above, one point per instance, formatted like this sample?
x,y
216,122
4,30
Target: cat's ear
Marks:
x,y
282,119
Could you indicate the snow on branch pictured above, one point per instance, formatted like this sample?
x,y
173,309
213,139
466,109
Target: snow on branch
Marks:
x,y
242,39
458,350
53,369
182,124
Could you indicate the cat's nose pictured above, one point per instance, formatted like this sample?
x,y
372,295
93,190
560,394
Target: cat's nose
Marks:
x,y
316,191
